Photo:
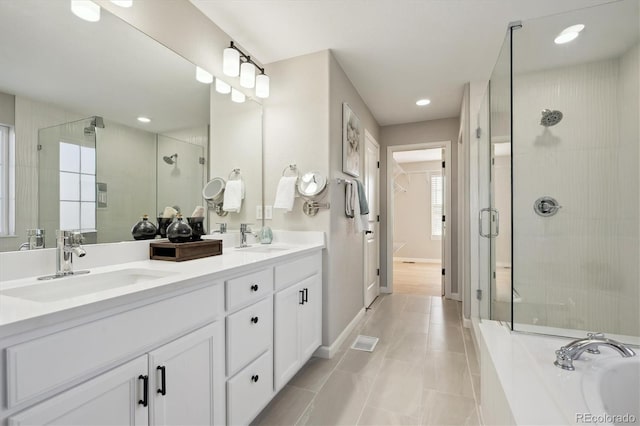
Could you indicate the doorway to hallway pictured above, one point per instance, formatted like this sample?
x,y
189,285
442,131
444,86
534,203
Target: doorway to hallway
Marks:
x,y
418,246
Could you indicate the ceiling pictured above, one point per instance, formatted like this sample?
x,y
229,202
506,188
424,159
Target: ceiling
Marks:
x,y
393,51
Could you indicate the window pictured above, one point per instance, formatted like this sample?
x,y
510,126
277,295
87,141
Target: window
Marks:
x,y
77,187
437,188
7,182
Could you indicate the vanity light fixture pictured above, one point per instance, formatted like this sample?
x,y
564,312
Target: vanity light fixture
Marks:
x,y
203,76
235,62
222,87
262,85
86,9
144,119
569,34
423,102
237,96
123,3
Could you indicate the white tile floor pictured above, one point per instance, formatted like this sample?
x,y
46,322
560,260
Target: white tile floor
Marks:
x,y
424,371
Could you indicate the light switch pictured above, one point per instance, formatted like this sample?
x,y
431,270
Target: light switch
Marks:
x,y
258,212
268,212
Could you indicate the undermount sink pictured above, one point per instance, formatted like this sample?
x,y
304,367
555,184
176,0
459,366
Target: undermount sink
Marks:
x,y
263,249
82,285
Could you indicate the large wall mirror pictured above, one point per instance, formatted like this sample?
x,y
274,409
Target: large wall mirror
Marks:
x,y
71,92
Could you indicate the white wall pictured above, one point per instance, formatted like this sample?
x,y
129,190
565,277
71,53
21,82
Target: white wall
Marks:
x,y
412,213
502,202
579,268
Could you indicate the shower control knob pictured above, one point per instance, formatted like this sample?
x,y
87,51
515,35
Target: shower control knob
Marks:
x,y
546,206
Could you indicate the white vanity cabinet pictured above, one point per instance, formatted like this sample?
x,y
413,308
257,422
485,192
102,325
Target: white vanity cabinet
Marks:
x,y
297,317
136,394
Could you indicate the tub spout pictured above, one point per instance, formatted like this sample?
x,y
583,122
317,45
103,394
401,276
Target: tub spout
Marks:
x,y
569,353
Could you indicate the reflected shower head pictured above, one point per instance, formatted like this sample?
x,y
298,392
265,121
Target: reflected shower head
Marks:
x,y
170,160
550,118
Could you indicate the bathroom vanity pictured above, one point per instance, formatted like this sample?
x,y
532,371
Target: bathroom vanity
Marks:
x,y
209,341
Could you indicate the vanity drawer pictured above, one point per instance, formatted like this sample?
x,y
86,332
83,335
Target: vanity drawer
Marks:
x,y
297,270
44,364
249,333
248,288
249,391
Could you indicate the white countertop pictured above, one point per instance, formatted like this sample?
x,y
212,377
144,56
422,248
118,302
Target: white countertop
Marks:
x,y
18,315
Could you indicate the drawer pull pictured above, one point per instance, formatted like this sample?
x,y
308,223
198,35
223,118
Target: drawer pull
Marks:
x,y
254,287
305,296
301,297
145,390
254,320
255,378
163,380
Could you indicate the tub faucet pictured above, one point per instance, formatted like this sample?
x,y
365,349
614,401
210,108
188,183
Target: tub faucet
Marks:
x,y
68,243
569,353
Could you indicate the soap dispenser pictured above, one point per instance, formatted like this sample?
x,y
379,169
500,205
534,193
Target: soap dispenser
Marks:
x,y
144,230
179,231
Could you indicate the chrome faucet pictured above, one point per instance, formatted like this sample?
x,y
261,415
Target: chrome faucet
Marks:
x,y
244,230
35,240
569,353
68,243
222,229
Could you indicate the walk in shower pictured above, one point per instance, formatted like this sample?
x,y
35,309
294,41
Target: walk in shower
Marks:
x,y
559,144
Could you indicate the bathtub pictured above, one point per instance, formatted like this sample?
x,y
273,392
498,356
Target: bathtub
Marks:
x,y
521,386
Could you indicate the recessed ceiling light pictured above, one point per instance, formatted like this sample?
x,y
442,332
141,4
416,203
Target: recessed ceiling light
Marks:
x,y
144,120
86,9
423,102
568,34
123,3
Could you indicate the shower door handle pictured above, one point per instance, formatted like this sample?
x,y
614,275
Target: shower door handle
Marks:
x,y
493,214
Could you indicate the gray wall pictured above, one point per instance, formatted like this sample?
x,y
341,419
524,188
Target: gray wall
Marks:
x,y
7,109
445,129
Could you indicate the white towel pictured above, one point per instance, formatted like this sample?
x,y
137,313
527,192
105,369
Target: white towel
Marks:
x,y
286,193
233,195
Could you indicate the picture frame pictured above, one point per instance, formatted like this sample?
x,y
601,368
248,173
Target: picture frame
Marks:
x,y
352,137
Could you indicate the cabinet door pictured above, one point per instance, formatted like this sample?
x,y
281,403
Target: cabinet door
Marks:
x,y
286,334
310,317
113,398
183,377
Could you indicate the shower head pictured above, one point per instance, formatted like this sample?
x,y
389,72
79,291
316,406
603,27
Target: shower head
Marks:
x,y
550,118
170,160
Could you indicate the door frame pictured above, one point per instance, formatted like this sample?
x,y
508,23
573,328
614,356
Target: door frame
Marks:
x,y
369,136
448,213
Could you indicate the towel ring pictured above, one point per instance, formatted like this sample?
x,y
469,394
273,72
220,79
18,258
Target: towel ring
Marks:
x,y
291,168
235,175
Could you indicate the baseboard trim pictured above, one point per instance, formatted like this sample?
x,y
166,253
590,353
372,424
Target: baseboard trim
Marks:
x,y
385,290
330,351
416,260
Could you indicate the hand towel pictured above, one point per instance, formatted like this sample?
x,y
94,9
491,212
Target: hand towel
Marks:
x,y
349,199
358,219
362,197
233,195
198,212
286,193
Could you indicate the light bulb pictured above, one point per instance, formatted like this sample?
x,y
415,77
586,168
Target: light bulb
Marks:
x,y
423,102
231,62
247,75
262,86
237,96
144,119
123,3
203,76
222,87
569,34
86,9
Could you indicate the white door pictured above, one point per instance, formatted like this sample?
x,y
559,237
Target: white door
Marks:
x,y
181,385
443,238
372,241
113,398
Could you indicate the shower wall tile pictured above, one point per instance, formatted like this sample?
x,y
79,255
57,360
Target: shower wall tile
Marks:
x,y
579,268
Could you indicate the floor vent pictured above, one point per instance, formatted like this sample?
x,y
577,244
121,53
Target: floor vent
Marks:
x,y
365,343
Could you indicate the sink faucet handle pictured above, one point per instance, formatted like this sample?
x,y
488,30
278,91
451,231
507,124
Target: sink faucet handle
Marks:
x,y
593,336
